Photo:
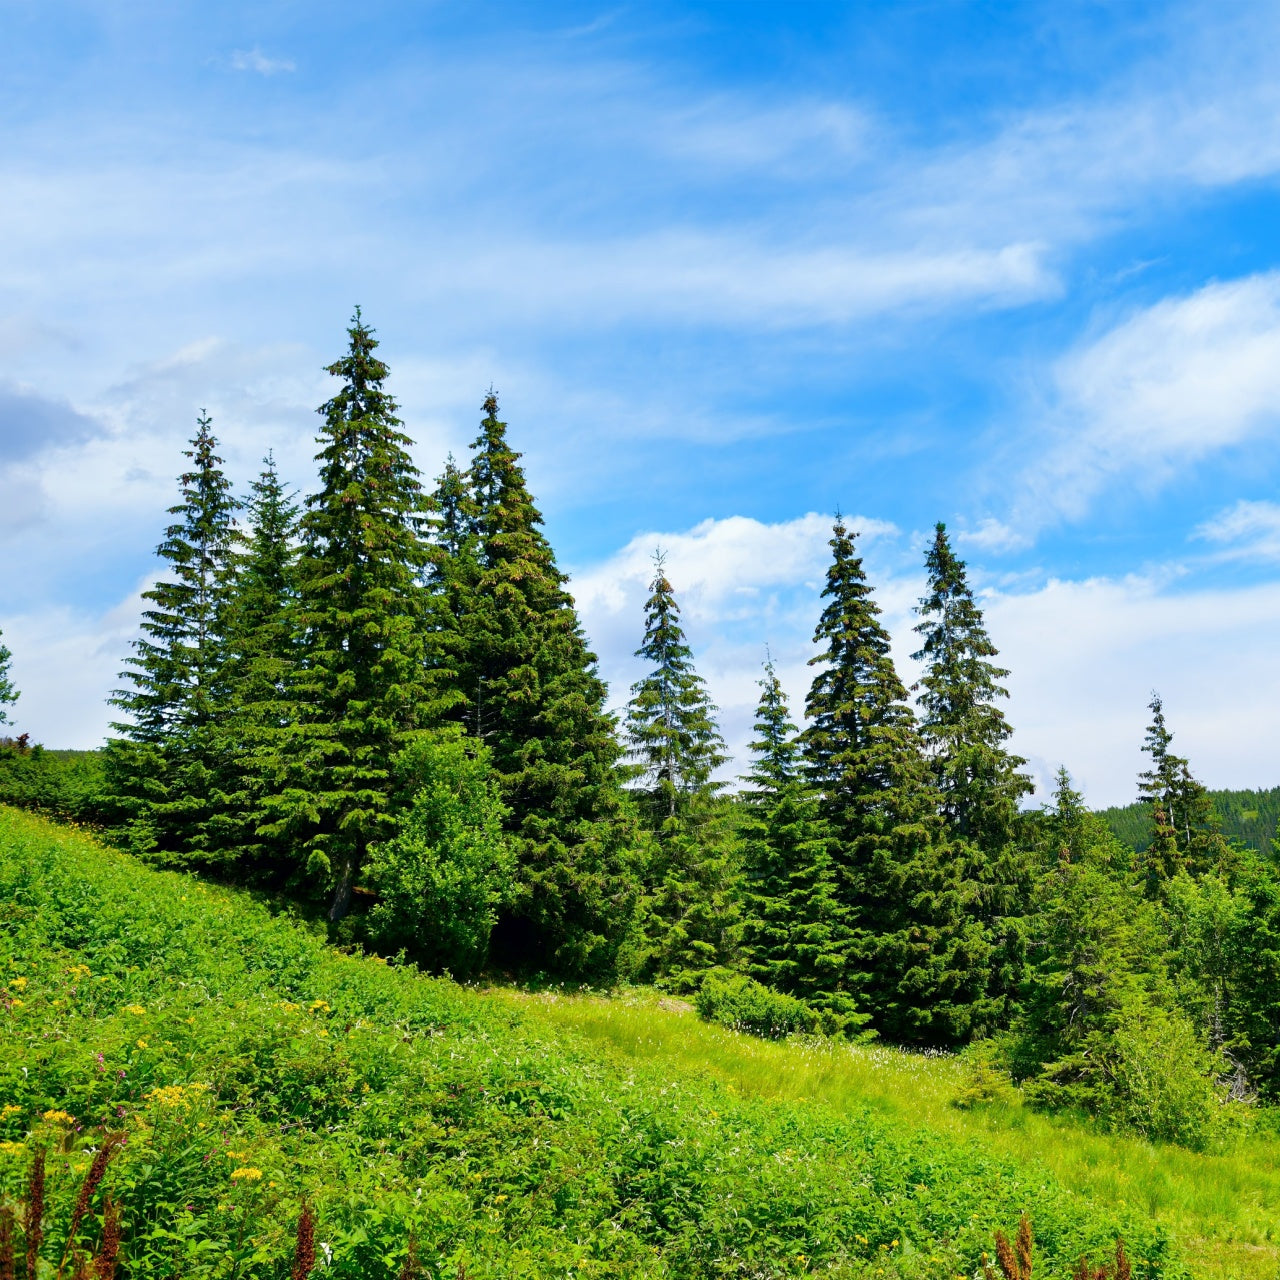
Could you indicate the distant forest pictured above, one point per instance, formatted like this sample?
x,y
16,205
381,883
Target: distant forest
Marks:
x,y
1247,816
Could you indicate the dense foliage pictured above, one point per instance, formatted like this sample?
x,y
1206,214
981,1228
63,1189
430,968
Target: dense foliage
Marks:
x,y
253,1071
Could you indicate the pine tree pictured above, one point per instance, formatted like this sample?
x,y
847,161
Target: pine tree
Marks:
x,y
451,574
167,772
670,724
8,694
361,689
963,729
262,653
795,935
531,692
676,747
1185,833
919,958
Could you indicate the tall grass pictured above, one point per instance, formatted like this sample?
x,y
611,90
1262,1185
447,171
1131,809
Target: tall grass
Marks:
x,y
1224,1206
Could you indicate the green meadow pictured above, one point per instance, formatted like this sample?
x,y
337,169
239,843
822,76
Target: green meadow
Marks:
x,y
250,1069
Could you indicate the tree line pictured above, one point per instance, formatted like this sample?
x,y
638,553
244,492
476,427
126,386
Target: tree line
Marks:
x,y
380,699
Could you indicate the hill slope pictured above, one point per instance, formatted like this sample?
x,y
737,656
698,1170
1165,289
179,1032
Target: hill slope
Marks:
x,y
1248,816
254,1069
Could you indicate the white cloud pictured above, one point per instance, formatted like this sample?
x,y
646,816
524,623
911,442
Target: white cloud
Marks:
x,y
255,60
1158,391
1247,530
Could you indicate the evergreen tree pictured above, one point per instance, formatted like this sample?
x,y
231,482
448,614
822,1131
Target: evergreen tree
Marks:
x,y
451,574
8,694
167,772
1185,833
361,690
531,692
963,728
795,935
675,745
670,724
261,651
919,959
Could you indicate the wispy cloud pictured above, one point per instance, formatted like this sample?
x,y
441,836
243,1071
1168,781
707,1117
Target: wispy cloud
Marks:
x,y
1160,390
1246,531
255,60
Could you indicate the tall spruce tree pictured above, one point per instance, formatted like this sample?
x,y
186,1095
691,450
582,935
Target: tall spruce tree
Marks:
x,y
531,692
795,932
919,958
8,694
361,690
450,578
676,747
671,730
1185,834
962,727
168,770
262,652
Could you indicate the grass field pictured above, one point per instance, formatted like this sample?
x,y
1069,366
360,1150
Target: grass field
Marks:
x,y
253,1070
1224,1208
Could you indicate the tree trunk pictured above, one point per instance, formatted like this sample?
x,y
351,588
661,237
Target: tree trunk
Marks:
x,y
341,903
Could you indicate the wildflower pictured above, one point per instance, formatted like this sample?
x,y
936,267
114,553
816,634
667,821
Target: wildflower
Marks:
x,y
321,1005
141,1043
16,1004
12,1109
136,1009
58,1117
19,983
246,1173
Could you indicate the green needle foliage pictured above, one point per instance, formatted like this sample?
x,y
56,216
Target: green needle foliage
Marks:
x,y
362,689
670,724
962,727
675,747
531,693
919,958
168,770
795,932
8,694
262,653
1185,833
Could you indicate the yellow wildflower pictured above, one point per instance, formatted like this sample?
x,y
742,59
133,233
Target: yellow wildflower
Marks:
x,y
19,1004
136,1009
58,1117
321,1005
141,1043
11,1109
20,983
246,1174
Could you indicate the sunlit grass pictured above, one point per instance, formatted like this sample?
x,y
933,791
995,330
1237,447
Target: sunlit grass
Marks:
x,y
1224,1207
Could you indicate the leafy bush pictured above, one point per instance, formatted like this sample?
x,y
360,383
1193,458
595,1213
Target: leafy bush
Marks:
x,y
746,1005
62,784
442,878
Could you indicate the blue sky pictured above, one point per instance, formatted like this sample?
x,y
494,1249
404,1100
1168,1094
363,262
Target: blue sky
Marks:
x,y
730,267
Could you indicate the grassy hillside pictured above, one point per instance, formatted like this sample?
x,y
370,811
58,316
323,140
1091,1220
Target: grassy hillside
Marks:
x,y
253,1069
1248,816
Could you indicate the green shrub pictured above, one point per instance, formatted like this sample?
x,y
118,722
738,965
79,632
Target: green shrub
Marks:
x,y
746,1005
443,877
62,784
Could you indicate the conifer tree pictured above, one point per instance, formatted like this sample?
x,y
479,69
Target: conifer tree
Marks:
x,y
1185,833
919,959
362,689
962,727
8,694
167,771
531,692
675,745
670,724
795,935
450,578
261,650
